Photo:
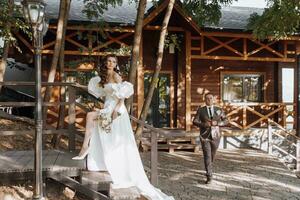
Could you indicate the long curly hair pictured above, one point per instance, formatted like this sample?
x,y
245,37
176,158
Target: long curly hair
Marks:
x,y
102,69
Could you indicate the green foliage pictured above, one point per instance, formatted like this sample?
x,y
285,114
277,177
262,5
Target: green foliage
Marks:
x,y
123,50
175,39
205,11
15,20
96,8
280,19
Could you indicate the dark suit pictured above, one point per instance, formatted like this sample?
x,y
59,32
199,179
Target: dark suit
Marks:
x,y
209,145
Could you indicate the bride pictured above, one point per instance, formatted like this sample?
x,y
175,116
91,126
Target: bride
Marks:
x,y
109,143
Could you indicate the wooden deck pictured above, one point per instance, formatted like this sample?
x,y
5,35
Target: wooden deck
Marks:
x,y
59,166
20,164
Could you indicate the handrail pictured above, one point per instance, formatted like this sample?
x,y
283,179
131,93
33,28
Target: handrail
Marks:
x,y
294,144
285,131
23,83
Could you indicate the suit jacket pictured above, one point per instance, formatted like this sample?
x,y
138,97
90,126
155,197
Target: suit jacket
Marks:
x,y
202,117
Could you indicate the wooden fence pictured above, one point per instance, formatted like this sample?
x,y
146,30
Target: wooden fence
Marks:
x,y
252,115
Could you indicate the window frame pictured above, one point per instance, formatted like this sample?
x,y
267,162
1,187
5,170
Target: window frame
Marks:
x,y
224,73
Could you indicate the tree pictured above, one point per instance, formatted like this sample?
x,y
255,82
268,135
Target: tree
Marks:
x,y
205,11
60,34
281,19
9,20
160,53
136,47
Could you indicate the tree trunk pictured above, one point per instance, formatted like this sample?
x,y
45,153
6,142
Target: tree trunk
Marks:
x,y
61,116
58,43
3,61
154,80
136,47
6,44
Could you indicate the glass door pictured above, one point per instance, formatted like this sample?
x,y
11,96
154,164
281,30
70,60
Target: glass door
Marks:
x,y
159,113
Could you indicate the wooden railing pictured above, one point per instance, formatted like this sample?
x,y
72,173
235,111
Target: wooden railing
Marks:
x,y
253,115
292,140
73,130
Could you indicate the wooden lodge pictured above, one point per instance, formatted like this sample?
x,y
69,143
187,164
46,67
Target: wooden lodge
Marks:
x,y
245,74
253,80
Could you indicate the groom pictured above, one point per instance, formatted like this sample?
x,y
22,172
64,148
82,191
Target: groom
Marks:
x,y
209,118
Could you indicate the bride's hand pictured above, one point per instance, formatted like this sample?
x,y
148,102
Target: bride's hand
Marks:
x,y
114,114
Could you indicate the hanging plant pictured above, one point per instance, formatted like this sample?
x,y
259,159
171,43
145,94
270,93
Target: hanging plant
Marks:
x,y
173,40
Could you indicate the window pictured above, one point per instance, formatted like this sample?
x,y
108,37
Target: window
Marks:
x,y
242,87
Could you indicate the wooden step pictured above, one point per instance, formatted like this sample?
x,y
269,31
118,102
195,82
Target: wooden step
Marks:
x,y
131,193
98,181
172,147
72,183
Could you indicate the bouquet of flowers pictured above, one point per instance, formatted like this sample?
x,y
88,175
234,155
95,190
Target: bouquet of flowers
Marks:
x,y
104,121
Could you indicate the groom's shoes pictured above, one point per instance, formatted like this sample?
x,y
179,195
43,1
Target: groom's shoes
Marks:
x,y
208,180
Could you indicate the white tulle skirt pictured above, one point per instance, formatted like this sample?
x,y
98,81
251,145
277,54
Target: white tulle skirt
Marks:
x,y
117,153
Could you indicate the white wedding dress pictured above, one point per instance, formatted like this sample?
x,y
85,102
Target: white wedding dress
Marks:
x,y
116,151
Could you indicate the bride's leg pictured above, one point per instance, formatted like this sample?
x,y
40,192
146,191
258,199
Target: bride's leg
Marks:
x,y
90,123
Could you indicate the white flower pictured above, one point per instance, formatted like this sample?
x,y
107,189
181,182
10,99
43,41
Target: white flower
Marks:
x,y
104,121
219,112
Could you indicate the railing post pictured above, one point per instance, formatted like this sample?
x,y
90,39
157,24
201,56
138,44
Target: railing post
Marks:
x,y
284,116
72,118
270,140
244,116
154,174
298,158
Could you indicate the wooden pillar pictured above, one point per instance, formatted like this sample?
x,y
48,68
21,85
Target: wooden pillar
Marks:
x,y
140,81
188,74
298,106
72,118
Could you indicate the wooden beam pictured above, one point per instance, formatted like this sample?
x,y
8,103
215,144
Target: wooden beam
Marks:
x,y
170,28
76,43
188,80
188,18
79,53
202,44
267,47
245,47
45,46
195,48
25,42
285,49
223,44
241,35
118,41
267,59
112,41
259,49
156,12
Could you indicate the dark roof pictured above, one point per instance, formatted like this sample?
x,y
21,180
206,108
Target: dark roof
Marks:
x,y
232,17
235,17
124,14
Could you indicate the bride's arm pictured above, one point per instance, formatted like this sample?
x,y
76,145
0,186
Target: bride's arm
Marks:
x,y
117,79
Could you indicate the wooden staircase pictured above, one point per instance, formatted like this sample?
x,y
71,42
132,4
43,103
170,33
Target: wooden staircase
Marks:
x,y
172,140
97,185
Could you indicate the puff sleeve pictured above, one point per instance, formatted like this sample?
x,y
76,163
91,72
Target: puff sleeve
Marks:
x,y
123,90
94,88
